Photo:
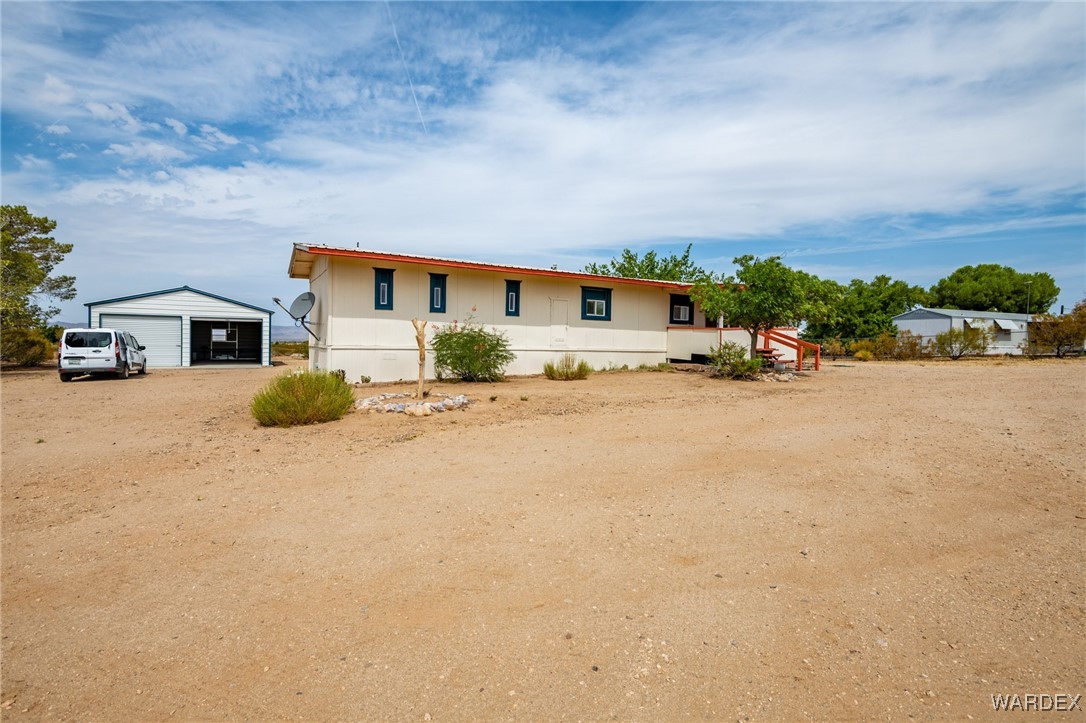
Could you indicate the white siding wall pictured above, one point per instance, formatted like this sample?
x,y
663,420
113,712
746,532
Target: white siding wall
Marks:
x,y
188,305
1004,342
380,344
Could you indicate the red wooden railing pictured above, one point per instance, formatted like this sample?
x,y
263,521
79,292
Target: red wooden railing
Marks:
x,y
772,335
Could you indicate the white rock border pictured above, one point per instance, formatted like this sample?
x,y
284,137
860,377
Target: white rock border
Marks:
x,y
381,404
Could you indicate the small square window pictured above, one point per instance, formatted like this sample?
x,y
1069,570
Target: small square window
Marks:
x,y
682,309
595,304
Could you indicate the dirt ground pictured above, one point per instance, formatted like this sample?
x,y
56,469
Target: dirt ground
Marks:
x,y
883,541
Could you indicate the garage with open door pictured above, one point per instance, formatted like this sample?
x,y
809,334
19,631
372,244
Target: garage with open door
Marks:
x,y
225,340
185,326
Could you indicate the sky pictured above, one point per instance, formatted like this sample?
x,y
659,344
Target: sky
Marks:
x,y
193,143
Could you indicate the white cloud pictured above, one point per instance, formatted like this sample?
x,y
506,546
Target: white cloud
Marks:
x,y
115,113
57,129
67,155
178,127
145,151
212,138
30,162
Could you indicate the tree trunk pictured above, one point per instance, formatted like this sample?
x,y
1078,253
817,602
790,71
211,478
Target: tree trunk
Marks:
x,y
753,342
420,336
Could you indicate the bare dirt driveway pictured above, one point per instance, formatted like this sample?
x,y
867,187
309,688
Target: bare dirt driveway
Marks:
x,y
883,541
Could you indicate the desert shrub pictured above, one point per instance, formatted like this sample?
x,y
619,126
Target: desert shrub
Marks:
x,y
25,347
730,360
302,398
864,355
568,368
860,346
910,346
469,352
956,343
833,348
885,345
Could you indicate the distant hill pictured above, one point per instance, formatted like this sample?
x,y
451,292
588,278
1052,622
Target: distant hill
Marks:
x,y
288,333
278,333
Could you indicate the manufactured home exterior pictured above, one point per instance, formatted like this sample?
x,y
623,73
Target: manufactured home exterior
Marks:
x,y
1010,331
365,301
185,326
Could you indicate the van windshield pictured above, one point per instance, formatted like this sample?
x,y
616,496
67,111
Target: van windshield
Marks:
x,y
87,339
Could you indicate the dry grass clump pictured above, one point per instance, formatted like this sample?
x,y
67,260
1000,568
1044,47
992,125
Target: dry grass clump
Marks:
x,y
568,368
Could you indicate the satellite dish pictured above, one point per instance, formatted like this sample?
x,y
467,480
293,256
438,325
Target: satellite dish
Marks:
x,y
299,308
302,305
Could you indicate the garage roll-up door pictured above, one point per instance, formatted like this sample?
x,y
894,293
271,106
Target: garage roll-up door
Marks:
x,y
160,334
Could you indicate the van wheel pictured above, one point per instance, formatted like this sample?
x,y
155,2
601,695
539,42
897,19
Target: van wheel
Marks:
x,y
65,377
143,368
123,373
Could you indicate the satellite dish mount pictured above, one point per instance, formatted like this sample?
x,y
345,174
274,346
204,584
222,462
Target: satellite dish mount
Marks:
x,y
299,308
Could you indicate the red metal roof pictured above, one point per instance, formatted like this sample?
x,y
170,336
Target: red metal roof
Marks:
x,y
321,250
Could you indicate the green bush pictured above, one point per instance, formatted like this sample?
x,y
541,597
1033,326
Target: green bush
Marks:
x,y
863,355
25,347
470,353
730,360
567,369
302,398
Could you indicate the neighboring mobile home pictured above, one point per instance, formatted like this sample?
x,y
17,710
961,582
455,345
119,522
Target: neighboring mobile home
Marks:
x,y
186,326
1010,331
365,301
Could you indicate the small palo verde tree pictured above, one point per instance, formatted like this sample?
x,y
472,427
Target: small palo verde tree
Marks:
x,y
956,343
1059,335
765,294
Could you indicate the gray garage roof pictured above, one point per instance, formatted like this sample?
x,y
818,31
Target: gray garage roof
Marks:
x,y
923,312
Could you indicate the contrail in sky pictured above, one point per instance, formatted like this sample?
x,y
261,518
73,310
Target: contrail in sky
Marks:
x,y
403,60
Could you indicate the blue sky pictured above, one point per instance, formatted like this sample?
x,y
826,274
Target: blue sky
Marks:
x,y
193,143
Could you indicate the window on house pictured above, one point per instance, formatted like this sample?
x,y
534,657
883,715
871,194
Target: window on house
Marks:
x,y
512,298
595,304
682,309
382,291
437,293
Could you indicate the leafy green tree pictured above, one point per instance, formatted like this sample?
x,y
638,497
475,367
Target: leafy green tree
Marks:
x,y
764,294
650,266
991,287
1058,335
867,309
28,256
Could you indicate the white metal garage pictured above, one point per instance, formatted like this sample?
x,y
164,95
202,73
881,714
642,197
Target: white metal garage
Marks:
x,y
186,326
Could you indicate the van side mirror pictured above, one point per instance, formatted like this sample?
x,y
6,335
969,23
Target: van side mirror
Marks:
x,y
142,348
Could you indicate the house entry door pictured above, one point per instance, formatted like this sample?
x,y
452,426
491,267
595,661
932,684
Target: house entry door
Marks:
x,y
559,322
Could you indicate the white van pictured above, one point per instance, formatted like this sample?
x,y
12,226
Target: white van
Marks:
x,y
99,351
